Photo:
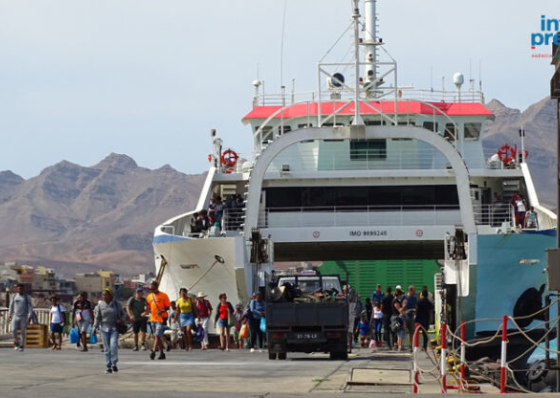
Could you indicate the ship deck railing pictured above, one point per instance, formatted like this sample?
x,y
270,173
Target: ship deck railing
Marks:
x,y
380,215
404,93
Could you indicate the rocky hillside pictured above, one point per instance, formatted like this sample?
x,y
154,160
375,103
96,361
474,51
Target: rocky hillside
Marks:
x,y
76,218
539,123
91,217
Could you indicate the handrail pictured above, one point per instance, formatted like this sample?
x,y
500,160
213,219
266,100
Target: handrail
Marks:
x,y
468,96
43,318
376,215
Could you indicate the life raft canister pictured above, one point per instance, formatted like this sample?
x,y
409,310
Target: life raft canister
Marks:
x,y
506,153
229,158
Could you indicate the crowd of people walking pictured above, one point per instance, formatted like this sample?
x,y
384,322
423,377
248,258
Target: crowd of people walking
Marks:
x,y
390,317
387,317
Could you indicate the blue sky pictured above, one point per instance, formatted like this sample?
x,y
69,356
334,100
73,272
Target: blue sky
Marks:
x,y
82,79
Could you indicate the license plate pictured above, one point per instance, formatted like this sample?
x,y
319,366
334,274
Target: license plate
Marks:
x,y
306,336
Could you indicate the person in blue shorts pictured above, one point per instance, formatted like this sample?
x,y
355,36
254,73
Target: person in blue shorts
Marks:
x,y
57,322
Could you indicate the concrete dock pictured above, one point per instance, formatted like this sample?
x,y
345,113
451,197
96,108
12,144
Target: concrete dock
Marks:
x,y
212,373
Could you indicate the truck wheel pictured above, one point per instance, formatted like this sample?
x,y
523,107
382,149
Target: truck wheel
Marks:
x,y
272,356
282,355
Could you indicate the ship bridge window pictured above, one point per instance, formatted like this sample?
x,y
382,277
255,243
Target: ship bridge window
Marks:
x,y
431,126
368,150
373,122
450,132
304,125
472,131
266,133
284,129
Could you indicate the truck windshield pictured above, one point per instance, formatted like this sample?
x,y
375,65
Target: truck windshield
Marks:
x,y
312,284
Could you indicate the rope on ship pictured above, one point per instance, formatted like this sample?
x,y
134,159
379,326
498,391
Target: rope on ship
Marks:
x,y
456,355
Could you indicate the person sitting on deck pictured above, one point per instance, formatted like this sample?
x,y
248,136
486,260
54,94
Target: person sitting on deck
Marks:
x,y
203,220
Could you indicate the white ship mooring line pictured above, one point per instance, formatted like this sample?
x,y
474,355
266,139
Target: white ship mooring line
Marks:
x,y
219,259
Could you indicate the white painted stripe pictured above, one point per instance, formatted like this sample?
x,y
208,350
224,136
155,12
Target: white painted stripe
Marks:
x,y
503,361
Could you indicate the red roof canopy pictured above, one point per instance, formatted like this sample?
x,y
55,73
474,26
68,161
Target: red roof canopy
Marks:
x,y
388,107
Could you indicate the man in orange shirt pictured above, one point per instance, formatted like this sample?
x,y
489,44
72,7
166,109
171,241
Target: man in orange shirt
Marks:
x,y
157,305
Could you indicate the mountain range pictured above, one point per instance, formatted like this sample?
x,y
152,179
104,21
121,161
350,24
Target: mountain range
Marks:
x,y
78,219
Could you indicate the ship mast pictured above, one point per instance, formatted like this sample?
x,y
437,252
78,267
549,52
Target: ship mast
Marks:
x,y
370,40
356,18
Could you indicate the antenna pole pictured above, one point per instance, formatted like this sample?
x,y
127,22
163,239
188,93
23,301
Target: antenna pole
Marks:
x,y
356,18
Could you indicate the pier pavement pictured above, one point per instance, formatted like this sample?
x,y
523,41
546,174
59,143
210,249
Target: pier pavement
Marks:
x,y
212,373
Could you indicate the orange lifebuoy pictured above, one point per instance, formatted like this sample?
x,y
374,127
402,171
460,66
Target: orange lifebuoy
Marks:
x,y
229,158
506,153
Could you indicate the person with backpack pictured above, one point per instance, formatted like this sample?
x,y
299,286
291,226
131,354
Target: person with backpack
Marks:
x,y
20,313
57,322
397,318
204,309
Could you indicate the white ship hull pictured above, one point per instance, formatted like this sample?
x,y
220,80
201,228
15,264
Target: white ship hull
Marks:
x,y
191,264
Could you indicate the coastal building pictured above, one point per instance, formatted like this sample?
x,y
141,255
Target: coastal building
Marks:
x,y
94,282
44,280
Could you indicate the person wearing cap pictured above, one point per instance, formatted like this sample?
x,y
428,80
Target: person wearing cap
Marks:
x,y
135,307
204,309
108,313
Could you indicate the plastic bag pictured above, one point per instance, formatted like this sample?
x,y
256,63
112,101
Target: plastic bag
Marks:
x,y
93,338
199,334
74,336
263,324
244,332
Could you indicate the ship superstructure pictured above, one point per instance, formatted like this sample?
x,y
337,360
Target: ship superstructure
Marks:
x,y
360,169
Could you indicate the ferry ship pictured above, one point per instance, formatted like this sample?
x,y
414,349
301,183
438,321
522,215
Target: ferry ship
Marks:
x,y
365,169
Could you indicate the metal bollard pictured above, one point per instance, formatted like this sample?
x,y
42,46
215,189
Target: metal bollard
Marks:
x,y
463,355
415,357
503,362
443,358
